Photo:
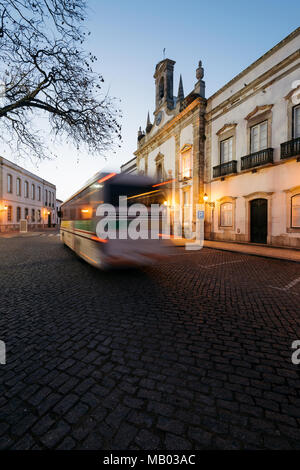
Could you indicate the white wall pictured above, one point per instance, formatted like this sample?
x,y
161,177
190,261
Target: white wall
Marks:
x,y
14,200
276,179
168,150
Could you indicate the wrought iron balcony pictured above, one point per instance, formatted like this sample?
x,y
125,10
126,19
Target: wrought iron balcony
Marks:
x,y
225,169
290,148
263,157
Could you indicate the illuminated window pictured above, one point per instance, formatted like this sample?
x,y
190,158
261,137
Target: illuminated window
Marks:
x,y
26,213
296,120
186,198
296,211
9,183
226,214
226,150
9,214
259,137
186,163
18,187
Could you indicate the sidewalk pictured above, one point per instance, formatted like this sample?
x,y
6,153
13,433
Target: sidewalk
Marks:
x,y
289,254
266,251
31,233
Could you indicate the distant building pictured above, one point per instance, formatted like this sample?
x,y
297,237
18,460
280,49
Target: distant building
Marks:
x,y
58,204
130,166
24,195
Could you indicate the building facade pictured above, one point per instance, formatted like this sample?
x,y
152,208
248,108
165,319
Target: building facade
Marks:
x,y
238,152
57,211
24,196
172,147
129,167
252,173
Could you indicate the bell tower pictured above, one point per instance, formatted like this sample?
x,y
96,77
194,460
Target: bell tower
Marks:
x,y
164,85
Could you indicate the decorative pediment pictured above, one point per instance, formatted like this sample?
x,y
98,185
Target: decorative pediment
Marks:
x,y
159,157
223,199
259,110
226,127
185,148
294,92
259,194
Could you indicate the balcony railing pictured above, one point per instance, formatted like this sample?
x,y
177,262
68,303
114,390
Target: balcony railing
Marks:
x,y
225,169
185,174
262,157
290,148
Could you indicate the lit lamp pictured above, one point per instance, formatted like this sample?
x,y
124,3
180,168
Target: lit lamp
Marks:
x,y
205,199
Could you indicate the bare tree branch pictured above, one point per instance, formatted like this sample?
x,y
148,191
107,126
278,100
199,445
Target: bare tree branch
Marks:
x,y
47,73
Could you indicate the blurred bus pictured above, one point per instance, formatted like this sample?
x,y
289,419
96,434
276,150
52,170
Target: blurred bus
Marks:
x,y
80,218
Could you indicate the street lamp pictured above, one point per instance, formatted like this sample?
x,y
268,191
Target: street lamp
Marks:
x,y
205,199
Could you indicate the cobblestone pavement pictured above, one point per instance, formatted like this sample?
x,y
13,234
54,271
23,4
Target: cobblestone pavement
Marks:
x,y
192,354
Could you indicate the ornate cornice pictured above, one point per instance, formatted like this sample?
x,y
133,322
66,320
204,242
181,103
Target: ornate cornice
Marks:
x,y
258,110
226,127
291,93
248,69
170,124
259,194
185,148
243,93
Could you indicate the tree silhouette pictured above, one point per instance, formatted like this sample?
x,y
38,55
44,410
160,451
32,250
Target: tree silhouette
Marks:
x,y
46,72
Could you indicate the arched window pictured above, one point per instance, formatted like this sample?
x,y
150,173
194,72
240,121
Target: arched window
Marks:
x,y
226,214
161,88
26,189
46,197
32,191
295,208
26,213
39,193
18,214
32,215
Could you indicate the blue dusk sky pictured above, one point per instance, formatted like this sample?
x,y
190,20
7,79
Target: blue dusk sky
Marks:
x,y
128,37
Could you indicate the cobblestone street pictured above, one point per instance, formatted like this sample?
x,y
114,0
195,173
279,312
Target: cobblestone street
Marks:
x,y
194,353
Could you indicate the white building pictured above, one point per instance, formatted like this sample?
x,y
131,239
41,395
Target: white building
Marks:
x,y
24,195
238,152
172,148
252,153
129,167
57,211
